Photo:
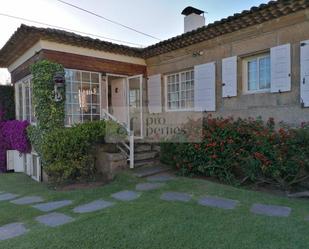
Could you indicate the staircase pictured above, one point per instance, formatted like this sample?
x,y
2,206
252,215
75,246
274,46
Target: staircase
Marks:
x,y
145,154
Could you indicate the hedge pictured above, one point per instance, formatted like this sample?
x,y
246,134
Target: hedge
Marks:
x,y
243,150
7,103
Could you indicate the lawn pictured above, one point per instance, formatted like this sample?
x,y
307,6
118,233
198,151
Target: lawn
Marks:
x,y
149,222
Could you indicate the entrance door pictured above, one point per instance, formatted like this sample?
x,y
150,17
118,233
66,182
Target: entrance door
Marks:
x,y
135,104
118,99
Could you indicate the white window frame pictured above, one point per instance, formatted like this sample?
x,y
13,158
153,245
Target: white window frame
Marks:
x,y
100,94
166,91
27,81
245,62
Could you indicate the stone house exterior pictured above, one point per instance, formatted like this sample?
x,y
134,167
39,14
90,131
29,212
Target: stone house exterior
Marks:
x,y
255,63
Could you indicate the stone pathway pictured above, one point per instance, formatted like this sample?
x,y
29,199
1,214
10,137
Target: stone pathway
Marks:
x,y
160,178
218,202
7,196
148,186
154,182
270,210
126,195
50,206
27,200
175,196
93,206
12,230
54,219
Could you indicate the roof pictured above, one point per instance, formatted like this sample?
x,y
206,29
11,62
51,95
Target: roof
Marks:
x,y
190,10
27,36
247,18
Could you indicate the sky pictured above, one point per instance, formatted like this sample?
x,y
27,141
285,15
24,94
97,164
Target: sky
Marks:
x,y
160,18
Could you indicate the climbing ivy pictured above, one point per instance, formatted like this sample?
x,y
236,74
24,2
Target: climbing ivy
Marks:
x,y
49,113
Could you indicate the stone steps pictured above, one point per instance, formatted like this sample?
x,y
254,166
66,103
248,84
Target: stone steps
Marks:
x,y
145,154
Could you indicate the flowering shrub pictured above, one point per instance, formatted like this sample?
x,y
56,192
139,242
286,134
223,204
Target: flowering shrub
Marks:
x,y
13,136
242,150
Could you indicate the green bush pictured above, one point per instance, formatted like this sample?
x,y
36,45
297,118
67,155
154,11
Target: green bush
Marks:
x,y
69,153
236,151
7,103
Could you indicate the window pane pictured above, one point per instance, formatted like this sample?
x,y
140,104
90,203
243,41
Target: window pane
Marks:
x,y
94,77
95,109
27,102
76,109
68,109
68,75
76,76
75,87
86,118
264,72
95,117
252,75
20,100
85,77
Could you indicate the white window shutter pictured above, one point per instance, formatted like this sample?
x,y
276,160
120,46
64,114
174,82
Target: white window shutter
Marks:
x,y
154,94
205,87
304,73
280,57
229,77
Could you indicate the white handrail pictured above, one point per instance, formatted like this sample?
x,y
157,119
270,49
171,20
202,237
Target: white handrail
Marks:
x,y
107,116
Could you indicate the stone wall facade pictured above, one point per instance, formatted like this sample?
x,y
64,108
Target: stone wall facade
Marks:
x,y
257,39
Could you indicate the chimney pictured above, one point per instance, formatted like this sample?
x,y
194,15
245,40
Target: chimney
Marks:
x,y
194,18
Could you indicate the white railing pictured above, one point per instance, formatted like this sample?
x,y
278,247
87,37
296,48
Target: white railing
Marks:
x,y
130,148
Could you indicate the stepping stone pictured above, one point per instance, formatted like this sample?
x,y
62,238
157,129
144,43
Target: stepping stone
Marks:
x,y
27,200
126,195
7,196
149,171
175,196
50,206
12,230
93,206
218,202
54,219
307,218
271,210
160,178
148,186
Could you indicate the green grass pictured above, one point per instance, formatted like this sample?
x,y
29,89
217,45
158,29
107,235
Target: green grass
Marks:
x,y
151,223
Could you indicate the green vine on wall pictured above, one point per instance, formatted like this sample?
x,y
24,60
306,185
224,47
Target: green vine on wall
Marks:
x,y
49,113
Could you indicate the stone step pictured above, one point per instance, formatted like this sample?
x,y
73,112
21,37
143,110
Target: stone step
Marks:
x,y
145,155
150,170
142,147
147,162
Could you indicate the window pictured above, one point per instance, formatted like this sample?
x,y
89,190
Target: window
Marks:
x,y
134,98
82,96
180,91
24,102
256,74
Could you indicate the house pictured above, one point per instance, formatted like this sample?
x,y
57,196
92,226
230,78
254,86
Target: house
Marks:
x,y
255,63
